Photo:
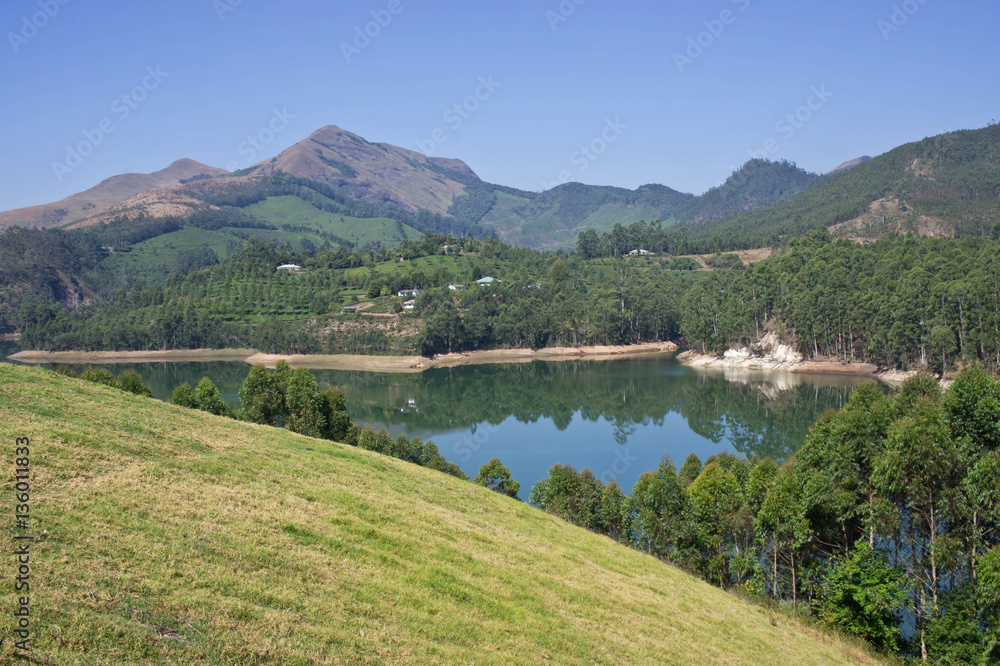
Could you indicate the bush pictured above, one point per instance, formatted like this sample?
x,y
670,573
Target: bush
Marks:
x,y
131,381
184,396
496,477
99,376
209,399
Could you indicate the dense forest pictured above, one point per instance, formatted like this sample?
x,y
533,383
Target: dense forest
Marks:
x,y
900,302
886,524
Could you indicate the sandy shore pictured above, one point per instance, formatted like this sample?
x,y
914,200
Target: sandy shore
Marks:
x,y
351,362
421,363
173,355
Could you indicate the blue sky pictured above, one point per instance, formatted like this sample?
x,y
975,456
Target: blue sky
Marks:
x,y
200,76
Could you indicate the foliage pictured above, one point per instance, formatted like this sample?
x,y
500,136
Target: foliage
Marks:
x,y
131,381
891,506
99,376
862,595
496,477
183,396
208,399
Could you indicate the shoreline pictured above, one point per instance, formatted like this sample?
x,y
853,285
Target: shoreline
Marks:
x,y
389,364
163,356
416,364
791,364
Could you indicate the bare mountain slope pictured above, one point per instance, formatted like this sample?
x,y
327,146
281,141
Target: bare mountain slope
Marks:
x,y
104,195
374,172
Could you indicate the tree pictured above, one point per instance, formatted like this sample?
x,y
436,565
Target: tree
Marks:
x,y
658,506
131,381
262,397
184,396
208,399
559,272
337,422
972,404
862,595
305,404
919,477
716,501
943,344
496,477
690,469
988,597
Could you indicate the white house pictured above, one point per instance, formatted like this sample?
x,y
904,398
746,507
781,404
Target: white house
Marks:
x,y
457,287
640,253
409,293
291,268
409,305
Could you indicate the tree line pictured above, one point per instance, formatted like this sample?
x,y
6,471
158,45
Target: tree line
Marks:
x,y
886,524
899,302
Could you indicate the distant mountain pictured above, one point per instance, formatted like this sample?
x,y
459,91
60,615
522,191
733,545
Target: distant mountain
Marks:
x,y
104,195
946,185
336,173
756,184
374,172
850,164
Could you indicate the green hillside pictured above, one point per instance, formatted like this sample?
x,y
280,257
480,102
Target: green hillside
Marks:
x,y
167,535
311,222
942,185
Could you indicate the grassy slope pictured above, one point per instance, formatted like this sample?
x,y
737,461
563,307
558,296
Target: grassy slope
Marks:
x,y
295,211
178,537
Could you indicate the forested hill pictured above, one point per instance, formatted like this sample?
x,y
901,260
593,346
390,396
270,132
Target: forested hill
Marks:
x,y
901,302
756,184
947,185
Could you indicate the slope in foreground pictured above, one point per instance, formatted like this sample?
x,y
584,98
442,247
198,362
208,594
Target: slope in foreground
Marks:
x,y
178,537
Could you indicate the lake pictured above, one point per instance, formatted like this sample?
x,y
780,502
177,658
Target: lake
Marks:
x,y
617,418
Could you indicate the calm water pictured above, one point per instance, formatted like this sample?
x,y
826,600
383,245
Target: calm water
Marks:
x,y
616,417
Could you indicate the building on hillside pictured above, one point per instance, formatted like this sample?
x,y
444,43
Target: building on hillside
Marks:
x,y
409,305
291,268
487,281
456,287
640,253
350,309
409,293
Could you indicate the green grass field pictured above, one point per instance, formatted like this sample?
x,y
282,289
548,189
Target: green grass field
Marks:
x,y
294,211
160,254
172,536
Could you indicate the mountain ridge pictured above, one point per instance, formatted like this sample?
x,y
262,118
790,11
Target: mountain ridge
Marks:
x,y
104,195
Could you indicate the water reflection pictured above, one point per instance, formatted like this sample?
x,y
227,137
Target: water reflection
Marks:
x,y
616,417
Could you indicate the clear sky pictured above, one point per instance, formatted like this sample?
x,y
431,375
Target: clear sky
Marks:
x,y
627,78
